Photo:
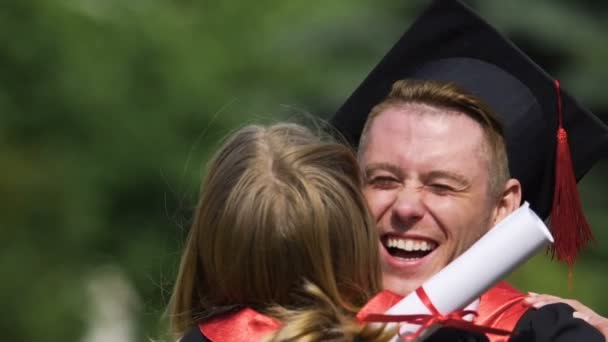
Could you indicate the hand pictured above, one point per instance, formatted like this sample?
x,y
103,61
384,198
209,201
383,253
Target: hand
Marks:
x,y
580,311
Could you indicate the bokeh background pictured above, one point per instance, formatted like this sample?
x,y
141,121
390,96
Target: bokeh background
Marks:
x,y
109,109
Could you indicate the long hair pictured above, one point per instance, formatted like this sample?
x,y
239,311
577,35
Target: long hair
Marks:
x,y
282,227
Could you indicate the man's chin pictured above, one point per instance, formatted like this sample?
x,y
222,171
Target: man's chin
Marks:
x,y
404,276
401,285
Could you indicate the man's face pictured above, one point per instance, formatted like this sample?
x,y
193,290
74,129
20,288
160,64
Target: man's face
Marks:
x,y
427,187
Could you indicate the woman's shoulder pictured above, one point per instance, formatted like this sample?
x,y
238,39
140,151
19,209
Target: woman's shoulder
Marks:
x,y
194,335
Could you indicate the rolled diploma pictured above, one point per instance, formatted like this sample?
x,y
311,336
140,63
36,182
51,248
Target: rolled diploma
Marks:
x,y
507,245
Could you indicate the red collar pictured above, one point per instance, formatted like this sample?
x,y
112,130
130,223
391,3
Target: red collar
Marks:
x,y
246,325
501,307
379,304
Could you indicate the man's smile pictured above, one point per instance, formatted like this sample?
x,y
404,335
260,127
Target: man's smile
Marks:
x,y
407,251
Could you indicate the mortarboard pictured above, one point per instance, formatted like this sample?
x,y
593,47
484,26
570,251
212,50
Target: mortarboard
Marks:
x,y
449,42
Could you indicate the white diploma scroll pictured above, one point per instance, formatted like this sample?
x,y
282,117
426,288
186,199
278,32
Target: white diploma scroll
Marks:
x,y
507,245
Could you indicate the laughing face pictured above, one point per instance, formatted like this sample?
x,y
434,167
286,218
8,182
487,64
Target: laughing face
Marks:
x,y
427,187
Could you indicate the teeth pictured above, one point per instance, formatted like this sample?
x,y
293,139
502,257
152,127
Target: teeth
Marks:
x,y
410,245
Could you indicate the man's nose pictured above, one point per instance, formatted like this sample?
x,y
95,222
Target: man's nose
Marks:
x,y
408,208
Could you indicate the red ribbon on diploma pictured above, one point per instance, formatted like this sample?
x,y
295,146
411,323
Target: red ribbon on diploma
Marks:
x,y
454,319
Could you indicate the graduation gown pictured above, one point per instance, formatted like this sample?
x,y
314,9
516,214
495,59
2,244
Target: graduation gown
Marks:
x,y
501,307
248,325
441,335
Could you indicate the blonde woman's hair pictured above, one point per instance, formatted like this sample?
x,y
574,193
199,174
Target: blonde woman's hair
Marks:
x,y
450,96
281,227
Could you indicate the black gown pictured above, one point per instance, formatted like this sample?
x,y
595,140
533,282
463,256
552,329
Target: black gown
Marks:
x,y
551,323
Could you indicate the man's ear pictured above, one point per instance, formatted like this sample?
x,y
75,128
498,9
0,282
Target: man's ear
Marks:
x,y
509,200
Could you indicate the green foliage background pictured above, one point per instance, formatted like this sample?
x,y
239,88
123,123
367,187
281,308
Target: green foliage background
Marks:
x,y
108,110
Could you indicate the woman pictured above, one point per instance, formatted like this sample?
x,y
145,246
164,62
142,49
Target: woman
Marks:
x,y
282,247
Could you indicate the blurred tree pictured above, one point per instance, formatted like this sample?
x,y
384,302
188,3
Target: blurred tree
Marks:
x,y
108,110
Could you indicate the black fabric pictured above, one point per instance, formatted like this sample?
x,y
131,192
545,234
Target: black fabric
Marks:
x,y
449,42
554,323
441,335
453,334
195,335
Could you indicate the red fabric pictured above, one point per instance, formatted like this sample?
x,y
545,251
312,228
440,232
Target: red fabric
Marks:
x,y
568,223
379,304
454,319
501,307
246,325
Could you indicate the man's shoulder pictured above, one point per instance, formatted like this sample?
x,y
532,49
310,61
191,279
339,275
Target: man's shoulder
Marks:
x,y
503,306
500,299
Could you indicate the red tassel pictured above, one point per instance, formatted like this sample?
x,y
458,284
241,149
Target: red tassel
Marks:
x,y
569,225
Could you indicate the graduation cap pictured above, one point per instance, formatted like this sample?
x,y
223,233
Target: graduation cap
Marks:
x,y
449,42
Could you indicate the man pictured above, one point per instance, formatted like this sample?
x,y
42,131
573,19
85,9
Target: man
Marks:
x,y
436,178
434,156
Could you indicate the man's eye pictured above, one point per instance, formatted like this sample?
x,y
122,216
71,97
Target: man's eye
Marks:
x,y
440,188
383,182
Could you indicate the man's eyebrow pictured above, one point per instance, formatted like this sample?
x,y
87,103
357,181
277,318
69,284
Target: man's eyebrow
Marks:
x,y
460,179
392,168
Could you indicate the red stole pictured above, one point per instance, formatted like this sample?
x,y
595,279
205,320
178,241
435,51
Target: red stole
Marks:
x,y
501,307
379,304
246,325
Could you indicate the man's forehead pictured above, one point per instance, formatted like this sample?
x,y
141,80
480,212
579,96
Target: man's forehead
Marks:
x,y
417,121
403,137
